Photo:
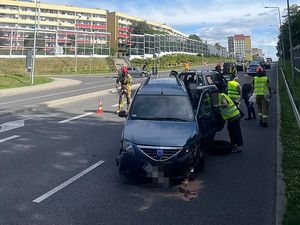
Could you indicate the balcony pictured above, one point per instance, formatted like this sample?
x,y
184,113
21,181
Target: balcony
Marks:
x,y
8,20
123,29
96,19
123,35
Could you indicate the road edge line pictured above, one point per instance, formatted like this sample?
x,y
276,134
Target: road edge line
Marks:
x,y
280,184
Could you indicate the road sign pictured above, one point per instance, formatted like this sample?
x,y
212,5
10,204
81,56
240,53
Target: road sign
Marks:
x,y
29,56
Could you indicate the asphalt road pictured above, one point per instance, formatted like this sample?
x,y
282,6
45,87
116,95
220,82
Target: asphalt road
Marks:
x,y
47,150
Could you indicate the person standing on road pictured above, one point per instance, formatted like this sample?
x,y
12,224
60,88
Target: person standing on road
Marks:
x,y
231,113
247,92
186,66
262,90
234,90
125,91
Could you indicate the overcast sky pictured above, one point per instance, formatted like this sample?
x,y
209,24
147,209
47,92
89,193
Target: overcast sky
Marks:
x,y
214,20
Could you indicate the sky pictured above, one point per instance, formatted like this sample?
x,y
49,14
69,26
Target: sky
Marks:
x,y
212,20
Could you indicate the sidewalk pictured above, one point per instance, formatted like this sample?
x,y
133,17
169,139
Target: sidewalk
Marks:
x,y
56,83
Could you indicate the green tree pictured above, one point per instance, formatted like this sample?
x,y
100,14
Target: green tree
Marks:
x,y
295,29
195,37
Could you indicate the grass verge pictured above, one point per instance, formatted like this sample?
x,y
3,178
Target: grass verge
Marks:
x,y
12,81
290,135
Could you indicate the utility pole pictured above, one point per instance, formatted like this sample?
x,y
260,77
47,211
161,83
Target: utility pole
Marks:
x,y
291,42
34,43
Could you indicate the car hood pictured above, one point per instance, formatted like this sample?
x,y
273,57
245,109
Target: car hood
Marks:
x,y
159,133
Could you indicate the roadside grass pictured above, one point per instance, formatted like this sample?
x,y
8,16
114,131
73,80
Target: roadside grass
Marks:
x,y
49,66
290,135
12,81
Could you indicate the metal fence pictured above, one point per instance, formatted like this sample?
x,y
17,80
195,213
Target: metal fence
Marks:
x,y
17,41
296,58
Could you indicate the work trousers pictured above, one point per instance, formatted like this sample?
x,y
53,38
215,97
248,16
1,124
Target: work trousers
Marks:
x,y
250,109
124,94
235,132
263,108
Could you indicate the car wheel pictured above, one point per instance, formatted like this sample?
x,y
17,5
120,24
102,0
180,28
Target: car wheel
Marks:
x,y
200,159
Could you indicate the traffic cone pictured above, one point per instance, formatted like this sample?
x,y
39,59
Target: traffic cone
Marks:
x,y
100,108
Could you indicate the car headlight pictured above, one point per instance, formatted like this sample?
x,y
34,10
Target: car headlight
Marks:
x,y
127,146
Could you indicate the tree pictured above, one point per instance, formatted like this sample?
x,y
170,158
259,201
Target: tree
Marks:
x,y
144,28
295,29
195,37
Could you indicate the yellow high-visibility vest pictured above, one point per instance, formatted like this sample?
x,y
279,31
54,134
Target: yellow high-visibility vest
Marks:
x,y
231,110
233,90
260,85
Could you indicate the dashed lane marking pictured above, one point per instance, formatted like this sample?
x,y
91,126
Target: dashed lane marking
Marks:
x,y
76,117
9,138
66,183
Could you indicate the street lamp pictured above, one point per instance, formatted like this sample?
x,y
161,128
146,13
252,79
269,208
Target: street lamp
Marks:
x,y
291,41
34,41
281,35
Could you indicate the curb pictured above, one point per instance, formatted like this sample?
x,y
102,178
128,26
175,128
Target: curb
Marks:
x,y
280,186
55,84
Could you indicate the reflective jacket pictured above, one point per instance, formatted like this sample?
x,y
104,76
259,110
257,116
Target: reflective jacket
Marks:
x,y
233,90
231,110
260,85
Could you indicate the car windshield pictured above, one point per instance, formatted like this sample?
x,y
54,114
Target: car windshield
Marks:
x,y
162,107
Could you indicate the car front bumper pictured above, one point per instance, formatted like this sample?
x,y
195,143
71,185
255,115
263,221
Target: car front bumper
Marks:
x,y
140,165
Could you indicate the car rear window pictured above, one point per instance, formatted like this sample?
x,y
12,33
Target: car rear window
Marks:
x,y
162,107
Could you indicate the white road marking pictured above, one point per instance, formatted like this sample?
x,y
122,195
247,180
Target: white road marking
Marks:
x,y
13,125
9,138
66,183
60,93
76,117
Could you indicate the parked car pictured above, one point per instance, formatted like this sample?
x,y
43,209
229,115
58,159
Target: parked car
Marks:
x,y
251,70
269,59
137,72
163,132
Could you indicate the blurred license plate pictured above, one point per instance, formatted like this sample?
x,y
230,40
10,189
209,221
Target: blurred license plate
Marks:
x,y
148,167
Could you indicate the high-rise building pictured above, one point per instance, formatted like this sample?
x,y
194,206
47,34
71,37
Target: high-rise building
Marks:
x,y
230,45
241,46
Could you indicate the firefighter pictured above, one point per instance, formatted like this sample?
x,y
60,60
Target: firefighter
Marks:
x,y
262,90
186,66
234,90
231,113
125,90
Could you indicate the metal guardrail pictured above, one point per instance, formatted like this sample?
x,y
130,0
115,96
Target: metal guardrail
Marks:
x,y
294,107
296,58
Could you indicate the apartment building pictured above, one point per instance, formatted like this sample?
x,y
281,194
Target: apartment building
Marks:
x,y
119,26
71,30
65,30
241,46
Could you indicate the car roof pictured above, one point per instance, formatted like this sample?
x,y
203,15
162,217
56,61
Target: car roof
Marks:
x,y
162,86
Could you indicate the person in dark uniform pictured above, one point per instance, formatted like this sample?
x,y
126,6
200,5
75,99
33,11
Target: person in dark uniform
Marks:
x,y
247,91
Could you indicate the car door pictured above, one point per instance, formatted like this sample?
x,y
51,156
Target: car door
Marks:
x,y
205,115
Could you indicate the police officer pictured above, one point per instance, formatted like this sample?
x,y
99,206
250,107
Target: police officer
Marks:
x,y
126,82
231,113
234,90
262,90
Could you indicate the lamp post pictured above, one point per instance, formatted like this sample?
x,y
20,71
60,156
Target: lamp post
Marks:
x,y
291,41
281,35
34,42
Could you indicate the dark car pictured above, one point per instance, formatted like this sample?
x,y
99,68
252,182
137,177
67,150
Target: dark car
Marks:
x,y
163,132
251,70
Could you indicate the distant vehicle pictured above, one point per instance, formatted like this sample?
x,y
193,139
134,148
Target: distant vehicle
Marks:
x,y
137,72
269,59
164,133
251,70
226,66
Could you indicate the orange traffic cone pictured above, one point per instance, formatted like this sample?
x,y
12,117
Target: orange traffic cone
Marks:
x,y
100,108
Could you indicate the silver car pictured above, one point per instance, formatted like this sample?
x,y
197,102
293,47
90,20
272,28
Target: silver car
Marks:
x,y
137,72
